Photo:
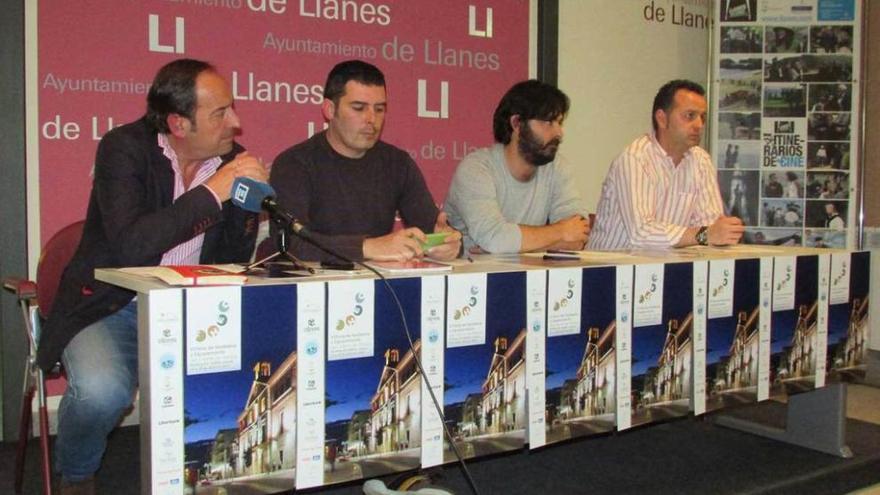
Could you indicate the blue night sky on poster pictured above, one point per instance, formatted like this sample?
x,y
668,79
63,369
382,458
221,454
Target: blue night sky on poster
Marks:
x,y
838,322
806,292
467,367
678,300
564,353
838,314
351,383
268,329
746,287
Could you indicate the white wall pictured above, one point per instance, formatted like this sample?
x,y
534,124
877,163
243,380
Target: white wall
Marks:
x,y
611,63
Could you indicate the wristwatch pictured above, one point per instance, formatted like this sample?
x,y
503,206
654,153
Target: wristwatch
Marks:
x,y
702,236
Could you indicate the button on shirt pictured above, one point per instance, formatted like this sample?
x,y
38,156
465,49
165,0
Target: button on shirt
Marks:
x,y
648,202
188,252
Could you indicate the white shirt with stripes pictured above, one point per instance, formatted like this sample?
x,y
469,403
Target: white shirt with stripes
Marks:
x,y
187,252
648,202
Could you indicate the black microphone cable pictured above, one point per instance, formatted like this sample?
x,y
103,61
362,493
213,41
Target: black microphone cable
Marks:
x,y
303,234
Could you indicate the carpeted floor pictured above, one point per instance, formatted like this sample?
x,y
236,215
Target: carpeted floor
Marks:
x,y
687,456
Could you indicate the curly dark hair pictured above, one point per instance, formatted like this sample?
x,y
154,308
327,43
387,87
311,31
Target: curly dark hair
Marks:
x,y
531,99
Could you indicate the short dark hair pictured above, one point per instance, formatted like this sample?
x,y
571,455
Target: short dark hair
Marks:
x,y
666,96
174,91
531,99
351,70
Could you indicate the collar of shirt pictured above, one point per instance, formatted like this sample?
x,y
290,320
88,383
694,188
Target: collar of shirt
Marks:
x,y
187,252
206,169
667,159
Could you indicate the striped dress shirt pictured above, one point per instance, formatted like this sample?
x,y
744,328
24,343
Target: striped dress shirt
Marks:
x,y
187,252
648,202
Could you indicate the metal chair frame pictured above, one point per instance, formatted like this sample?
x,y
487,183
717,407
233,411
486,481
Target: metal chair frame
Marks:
x,y
35,301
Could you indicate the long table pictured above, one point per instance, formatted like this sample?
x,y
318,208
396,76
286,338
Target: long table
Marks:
x,y
311,381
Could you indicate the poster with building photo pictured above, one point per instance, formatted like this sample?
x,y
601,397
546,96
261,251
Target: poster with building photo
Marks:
x,y
485,394
662,353
581,368
732,338
786,73
240,426
793,330
848,316
373,403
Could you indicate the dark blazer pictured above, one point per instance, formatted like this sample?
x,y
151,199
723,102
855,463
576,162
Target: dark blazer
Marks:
x,y
132,220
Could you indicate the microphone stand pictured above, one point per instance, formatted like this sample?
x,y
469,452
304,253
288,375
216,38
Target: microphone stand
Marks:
x,y
282,243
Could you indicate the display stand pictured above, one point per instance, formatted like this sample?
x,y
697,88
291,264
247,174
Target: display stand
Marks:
x,y
815,420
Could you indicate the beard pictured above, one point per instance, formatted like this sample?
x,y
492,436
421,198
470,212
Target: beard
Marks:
x,y
533,150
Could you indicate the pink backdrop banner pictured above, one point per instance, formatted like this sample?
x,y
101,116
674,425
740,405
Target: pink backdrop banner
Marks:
x,y
446,66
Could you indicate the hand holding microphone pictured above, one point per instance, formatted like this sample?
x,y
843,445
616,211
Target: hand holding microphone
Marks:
x,y
243,165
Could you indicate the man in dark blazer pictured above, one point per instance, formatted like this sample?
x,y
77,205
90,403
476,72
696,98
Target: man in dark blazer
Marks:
x,y
160,196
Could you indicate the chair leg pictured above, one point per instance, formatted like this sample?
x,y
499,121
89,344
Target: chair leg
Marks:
x,y
24,428
44,434
44,447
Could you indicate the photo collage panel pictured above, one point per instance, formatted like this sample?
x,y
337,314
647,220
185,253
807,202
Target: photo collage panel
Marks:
x,y
784,128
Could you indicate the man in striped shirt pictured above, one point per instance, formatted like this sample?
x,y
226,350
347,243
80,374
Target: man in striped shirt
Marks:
x,y
662,191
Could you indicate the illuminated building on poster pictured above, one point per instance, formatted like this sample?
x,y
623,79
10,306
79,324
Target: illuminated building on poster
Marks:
x,y
594,393
503,403
395,421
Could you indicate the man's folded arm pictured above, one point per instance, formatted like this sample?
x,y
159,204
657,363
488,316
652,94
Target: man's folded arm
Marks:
x,y
137,234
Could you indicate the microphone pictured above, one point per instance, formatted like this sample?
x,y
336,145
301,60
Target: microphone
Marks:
x,y
255,196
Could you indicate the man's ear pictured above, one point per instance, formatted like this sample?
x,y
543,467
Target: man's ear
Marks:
x,y
328,109
661,118
178,125
515,122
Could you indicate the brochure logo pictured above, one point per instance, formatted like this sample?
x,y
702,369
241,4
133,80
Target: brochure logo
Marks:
x,y
311,348
214,330
652,289
166,362
569,294
786,278
725,275
471,302
841,275
356,311
433,336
